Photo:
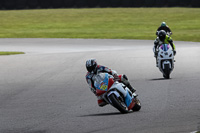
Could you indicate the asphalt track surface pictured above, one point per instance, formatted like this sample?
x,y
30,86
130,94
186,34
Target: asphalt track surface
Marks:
x,y
45,91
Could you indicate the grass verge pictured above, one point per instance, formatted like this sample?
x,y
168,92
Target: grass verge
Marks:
x,y
108,23
10,53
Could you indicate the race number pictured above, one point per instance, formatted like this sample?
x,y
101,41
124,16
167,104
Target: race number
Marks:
x,y
103,87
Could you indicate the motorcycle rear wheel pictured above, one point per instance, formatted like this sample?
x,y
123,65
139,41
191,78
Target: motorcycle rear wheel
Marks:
x,y
119,104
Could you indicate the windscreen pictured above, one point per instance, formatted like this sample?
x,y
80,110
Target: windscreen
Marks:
x,y
101,81
164,47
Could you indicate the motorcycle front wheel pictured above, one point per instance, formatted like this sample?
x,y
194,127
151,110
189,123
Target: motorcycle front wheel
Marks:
x,y
118,103
167,72
137,106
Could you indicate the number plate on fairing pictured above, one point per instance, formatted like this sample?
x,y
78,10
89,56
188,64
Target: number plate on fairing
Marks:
x,y
103,87
101,82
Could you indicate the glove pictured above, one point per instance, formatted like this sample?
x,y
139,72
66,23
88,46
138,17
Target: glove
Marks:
x,y
157,33
116,77
174,52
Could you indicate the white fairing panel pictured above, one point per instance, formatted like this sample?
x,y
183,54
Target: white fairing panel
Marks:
x,y
165,63
165,57
119,87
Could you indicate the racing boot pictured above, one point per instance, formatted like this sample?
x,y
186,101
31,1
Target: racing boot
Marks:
x,y
126,82
131,88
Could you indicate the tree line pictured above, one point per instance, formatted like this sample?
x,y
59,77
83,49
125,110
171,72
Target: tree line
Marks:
x,y
35,4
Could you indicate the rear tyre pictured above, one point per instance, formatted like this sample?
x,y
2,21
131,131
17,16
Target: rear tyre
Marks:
x,y
137,106
118,103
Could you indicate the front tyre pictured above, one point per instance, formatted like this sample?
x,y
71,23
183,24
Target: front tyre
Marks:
x,y
166,72
118,103
137,106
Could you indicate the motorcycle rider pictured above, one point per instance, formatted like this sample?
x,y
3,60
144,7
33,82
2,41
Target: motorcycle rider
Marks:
x,y
164,27
93,68
163,38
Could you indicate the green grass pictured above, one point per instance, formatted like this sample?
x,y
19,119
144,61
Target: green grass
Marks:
x,y
114,23
10,53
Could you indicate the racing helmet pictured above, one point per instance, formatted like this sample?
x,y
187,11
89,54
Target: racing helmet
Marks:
x,y
163,24
162,35
91,65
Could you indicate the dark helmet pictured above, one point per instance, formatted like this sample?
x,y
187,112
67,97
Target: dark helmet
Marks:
x,y
163,24
91,65
162,35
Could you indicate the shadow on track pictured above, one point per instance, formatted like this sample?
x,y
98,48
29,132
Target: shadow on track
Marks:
x,y
158,79
102,114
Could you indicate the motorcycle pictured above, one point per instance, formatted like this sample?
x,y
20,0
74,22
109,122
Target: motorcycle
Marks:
x,y
115,93
165,60
168,33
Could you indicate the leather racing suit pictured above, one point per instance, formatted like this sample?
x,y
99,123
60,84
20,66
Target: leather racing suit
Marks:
x,y
121,78
158,42
165,28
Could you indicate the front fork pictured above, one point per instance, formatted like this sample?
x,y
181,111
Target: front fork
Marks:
x,y
124,93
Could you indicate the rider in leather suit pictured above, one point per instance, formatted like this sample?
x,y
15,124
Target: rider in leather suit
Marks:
x,y
93,68
164,27
163,38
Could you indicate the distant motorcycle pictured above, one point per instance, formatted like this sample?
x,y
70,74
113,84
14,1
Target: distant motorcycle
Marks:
x,y
168,33
115,93
165,60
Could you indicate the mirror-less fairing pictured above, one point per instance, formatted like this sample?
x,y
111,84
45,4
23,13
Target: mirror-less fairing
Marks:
x,y
165,60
